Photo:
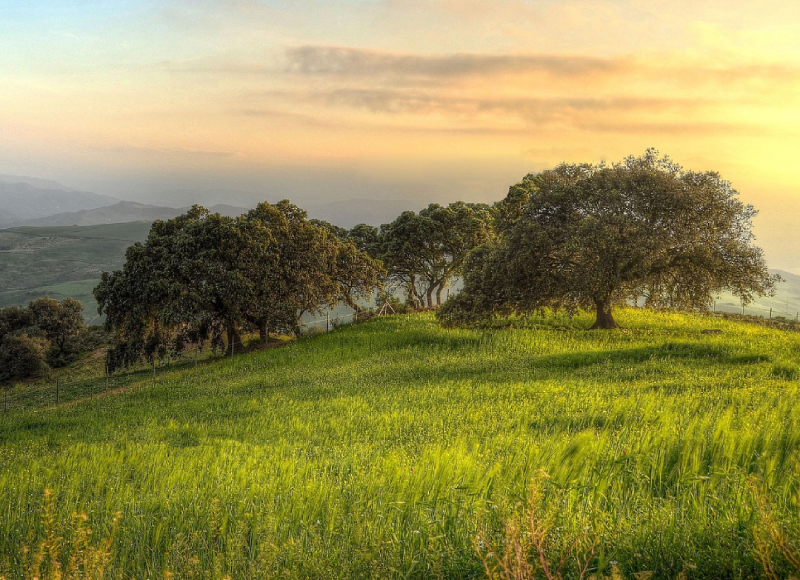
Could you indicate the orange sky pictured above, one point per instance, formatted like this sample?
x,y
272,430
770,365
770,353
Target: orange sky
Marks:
x,y
422,99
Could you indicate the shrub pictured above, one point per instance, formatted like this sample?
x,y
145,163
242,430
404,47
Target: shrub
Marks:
x,y
21,356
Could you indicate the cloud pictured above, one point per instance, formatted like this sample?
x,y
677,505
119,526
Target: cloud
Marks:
x,y
356,62
415,102
168,151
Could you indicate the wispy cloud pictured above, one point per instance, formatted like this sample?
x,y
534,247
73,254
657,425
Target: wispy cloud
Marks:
x,y
397,101
168,151
333,60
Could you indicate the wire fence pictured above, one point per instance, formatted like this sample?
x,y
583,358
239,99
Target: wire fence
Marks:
x,y
760,310
93,380
328,322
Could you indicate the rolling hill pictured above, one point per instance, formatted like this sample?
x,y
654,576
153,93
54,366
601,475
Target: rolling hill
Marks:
x,y
384,449
22,202
122,212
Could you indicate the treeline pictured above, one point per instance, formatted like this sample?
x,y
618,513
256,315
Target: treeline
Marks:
x,y
577,236
203,277
39,336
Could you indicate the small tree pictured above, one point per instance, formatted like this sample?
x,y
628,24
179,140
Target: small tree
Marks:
x,y
595,235
59,321
21,356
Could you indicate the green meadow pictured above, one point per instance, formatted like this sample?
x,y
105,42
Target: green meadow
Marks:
x,y
382,450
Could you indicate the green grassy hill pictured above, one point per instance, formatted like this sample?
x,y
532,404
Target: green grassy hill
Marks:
x,y
375,451
62,261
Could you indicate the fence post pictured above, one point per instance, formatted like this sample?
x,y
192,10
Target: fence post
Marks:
x,y
58,398
770,313
327,321
5,401
742,309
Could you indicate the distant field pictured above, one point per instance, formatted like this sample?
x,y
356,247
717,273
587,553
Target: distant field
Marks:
x,y
372,451
62,261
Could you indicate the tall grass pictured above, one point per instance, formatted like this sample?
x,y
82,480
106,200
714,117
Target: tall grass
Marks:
x,y
370,452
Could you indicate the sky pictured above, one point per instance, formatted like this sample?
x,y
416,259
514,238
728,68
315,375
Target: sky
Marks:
x,y
427,100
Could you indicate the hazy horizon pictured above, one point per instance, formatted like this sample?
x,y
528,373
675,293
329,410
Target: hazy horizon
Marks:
x,y
237,101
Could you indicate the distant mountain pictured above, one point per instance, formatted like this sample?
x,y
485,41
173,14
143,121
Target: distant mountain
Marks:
x,y
223,209
350,212
785,302
35,182
342,213
123,212
21,202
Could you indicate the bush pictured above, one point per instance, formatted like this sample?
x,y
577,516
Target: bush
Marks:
x,y
21,356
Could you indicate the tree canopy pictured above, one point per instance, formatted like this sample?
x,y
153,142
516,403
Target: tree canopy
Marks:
x,y
593,236
37,336
203,276
424,251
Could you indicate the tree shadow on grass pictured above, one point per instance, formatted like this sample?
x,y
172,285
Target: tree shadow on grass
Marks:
x,y
522,365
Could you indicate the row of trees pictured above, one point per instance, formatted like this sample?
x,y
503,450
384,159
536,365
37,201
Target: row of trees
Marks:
x,y
424,252
205,277
38,336
577,236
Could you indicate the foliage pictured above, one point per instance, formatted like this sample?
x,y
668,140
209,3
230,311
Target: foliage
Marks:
x,y
424,251
58,321
42,334
21,356
371,451
202,276
593,236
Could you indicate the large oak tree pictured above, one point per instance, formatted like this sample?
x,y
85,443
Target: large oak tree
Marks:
x,y
596,235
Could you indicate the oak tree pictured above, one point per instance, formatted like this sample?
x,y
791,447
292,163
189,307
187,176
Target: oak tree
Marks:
x,y
424,251
593,236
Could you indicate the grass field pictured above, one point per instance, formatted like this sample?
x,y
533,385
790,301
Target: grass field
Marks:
x,y
375,451
62,261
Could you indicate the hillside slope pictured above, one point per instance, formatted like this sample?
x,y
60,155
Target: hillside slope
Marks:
x,y
62,261
20,202
123,212
371,452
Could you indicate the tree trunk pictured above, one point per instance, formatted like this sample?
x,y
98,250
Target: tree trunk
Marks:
x,y
412,291
604,319
439,294
430,297
234,340
263,332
